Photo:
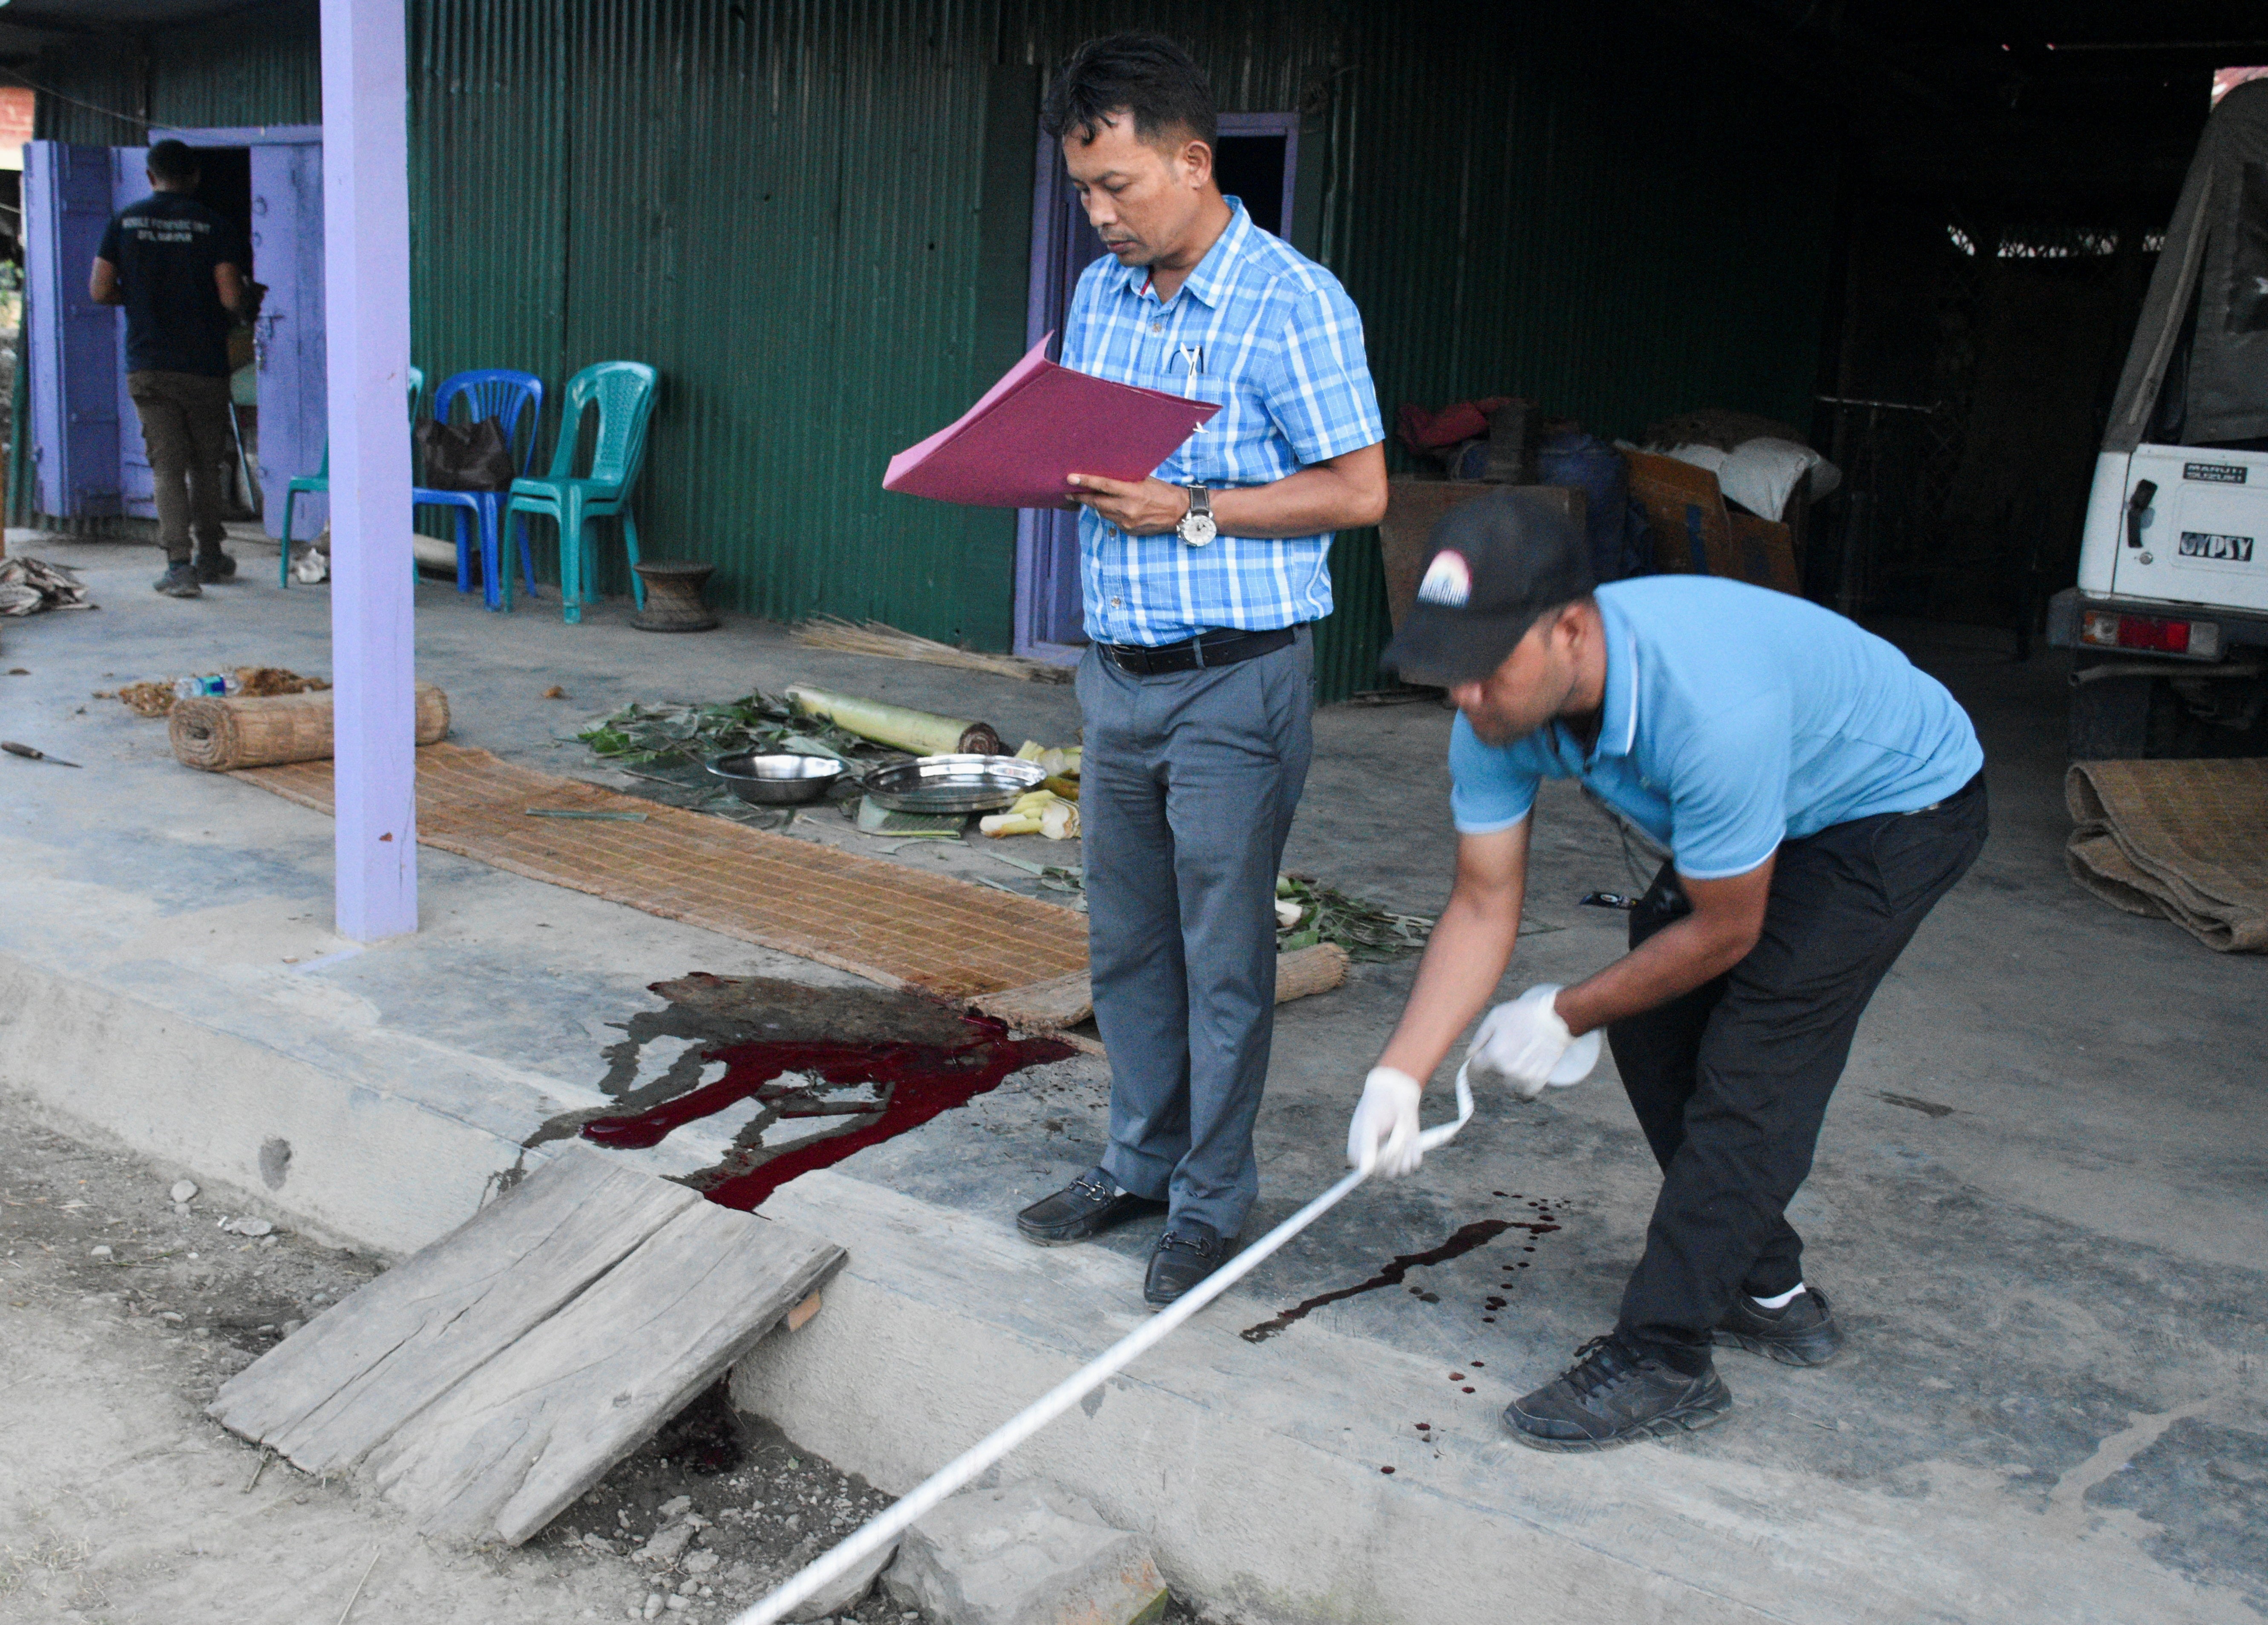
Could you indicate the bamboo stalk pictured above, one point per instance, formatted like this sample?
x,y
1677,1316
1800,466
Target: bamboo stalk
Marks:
x,y
922,733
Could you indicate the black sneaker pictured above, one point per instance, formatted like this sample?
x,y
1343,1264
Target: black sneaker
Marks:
x,y
180,581
1612,1395
1188,1252
1801,1332
214,566
1089,1205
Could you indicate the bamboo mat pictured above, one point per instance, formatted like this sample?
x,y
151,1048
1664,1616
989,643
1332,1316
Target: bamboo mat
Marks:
x,y
2188,840
882,921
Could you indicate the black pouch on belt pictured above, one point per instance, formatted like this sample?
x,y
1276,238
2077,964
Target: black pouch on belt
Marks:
x,y
1664,901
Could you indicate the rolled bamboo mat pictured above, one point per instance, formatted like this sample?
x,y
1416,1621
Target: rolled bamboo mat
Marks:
x,y
1066,1000
222,735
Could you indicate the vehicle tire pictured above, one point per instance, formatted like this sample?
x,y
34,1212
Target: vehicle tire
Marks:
x,y
2139,716
2110,716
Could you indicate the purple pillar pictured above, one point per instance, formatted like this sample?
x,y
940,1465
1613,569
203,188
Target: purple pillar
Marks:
x,y
366,313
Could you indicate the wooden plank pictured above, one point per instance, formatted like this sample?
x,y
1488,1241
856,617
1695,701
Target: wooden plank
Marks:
x,y
334,1390
517,1441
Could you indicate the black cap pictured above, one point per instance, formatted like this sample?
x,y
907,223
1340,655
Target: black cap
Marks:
x,y
1492,566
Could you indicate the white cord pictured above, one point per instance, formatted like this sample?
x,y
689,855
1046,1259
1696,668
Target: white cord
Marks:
x,y
895,1520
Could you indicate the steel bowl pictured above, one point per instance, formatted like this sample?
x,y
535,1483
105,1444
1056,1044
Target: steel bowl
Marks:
x,y
777,781
948,784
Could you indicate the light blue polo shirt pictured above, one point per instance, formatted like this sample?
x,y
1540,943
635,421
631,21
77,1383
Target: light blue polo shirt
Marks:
x,y
1735,718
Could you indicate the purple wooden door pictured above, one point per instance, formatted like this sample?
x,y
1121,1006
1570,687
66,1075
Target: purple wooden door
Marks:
x,y
287,247
1050,619
137,488
74,342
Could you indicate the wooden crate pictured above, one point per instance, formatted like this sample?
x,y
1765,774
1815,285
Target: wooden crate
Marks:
x,y
1695,534
1414,507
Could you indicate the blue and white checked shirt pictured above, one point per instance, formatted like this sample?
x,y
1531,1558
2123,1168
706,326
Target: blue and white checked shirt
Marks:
x,y
1269,334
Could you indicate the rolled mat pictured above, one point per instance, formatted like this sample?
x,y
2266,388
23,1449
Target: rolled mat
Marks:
x,y
220,736
2188,840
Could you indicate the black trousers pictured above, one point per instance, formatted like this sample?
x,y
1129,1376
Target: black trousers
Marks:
x,y
1731,1081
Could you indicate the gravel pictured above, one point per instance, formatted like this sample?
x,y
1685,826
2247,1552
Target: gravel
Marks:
x,y
713,1511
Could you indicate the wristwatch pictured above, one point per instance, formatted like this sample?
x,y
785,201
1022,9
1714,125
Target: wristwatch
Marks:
x,y
1197,527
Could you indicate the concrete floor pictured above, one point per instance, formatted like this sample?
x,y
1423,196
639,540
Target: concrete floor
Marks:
x,y
2035,1203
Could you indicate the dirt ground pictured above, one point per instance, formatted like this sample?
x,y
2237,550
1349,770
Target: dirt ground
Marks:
x,y
123,1310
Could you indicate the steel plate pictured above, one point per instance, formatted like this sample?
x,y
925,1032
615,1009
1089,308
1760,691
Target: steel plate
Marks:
x,y
952,784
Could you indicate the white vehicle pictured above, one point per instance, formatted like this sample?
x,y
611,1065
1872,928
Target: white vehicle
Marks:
x,y
2170,615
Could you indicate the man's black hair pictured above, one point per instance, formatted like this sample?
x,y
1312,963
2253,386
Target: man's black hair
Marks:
x,y
174,164
1146,75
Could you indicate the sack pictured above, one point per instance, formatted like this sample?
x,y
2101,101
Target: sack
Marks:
x,y
464,457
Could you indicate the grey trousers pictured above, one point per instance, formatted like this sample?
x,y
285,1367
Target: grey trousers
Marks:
x,y
1187,786
185,424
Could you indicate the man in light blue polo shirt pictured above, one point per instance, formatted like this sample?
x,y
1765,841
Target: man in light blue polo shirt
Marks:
x,y
1200,583
1813,796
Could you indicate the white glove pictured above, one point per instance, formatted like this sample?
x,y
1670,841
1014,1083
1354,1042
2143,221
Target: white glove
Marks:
x,y
1524,1045
1383,1137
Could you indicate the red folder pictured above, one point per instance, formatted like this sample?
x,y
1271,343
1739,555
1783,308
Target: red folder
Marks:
x,y
1038,424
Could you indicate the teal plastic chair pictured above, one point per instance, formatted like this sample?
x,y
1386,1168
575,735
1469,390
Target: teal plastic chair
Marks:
x,y
623,392
320,482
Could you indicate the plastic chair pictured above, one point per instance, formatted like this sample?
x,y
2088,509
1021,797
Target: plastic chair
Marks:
x,y
505,395
320,482
623,392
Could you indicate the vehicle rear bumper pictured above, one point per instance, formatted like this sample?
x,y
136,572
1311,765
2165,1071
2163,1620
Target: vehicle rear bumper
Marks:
x,y
2247,629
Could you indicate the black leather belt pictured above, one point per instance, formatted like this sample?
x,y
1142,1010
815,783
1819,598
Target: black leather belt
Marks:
x,y
1196,653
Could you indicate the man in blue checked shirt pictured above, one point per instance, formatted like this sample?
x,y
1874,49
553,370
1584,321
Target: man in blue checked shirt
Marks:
x,y
1200,584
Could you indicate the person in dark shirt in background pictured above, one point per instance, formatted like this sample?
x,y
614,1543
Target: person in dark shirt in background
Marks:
x,y
178,267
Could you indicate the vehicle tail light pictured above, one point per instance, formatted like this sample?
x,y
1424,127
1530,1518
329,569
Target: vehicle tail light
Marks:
x,y
2102,628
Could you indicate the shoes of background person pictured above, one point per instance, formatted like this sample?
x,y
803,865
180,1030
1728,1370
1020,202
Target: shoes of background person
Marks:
x,y
1188,1252
214,566
180,581
1801,1332
1615,1394
1089,1205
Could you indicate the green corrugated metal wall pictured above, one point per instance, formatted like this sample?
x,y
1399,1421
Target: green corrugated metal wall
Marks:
x,y
812,216
260,66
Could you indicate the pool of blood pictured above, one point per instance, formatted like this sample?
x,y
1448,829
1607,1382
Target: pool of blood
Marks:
x,y
916,1082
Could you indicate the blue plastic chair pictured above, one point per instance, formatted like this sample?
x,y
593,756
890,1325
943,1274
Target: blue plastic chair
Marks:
x,y
320,482
623,392
505,395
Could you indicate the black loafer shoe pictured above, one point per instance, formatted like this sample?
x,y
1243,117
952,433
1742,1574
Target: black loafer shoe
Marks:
x,y
1612,1395
1188,1252
1089,1205
1801,1332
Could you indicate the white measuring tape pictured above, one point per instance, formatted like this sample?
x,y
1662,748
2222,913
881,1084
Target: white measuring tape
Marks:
x,y
894,1520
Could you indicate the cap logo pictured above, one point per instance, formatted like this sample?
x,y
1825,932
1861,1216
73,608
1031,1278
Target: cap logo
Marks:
x,y
1448,581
